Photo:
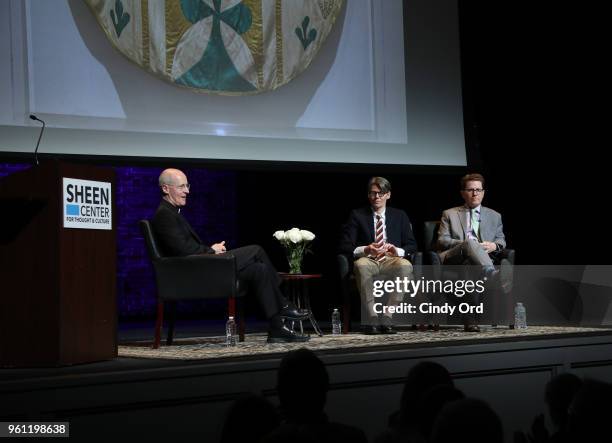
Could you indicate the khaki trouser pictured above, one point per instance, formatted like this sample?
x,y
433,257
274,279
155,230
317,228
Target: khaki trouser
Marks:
x,y
367,270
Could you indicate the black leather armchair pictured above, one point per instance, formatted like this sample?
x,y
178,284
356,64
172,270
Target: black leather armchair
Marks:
x,y
189,278
505,258
348,287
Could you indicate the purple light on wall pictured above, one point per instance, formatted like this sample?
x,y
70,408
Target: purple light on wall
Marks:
x,y
211,210
11,168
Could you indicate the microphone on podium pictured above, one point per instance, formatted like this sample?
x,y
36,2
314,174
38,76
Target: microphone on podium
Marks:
x,y
33,117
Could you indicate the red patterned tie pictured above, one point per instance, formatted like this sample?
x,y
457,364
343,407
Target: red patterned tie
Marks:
x,y
379,239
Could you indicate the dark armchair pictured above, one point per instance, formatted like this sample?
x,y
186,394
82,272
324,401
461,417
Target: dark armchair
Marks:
x,y
504,258
189,278
348,286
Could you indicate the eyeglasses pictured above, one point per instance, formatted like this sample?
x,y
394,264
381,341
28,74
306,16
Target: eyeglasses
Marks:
x,y
475,190
184,186
373,194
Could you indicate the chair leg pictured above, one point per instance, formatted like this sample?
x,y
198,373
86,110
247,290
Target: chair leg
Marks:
x,y
240,320
346,311
171,320
231,307
158,324
509,314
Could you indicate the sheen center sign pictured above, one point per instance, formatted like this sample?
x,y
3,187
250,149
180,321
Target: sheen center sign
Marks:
x,y
87,204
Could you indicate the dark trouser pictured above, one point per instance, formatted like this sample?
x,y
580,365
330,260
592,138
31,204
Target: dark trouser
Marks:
x,y
257,273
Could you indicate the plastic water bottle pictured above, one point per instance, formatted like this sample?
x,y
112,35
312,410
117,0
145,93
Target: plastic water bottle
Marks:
x,y
230,332
336,323
520,316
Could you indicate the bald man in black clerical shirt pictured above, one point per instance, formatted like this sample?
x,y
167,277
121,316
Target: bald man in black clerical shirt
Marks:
x,y
177,238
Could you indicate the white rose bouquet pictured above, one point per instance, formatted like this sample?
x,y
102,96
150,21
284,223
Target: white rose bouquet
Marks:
x,y
296,242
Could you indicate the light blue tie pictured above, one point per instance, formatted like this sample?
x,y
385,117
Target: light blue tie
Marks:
x,y
475,223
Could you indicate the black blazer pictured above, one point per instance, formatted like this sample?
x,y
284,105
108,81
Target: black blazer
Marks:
x,y
174,234
359,230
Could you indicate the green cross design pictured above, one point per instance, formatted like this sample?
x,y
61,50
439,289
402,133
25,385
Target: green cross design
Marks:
x,y
238,17
216,70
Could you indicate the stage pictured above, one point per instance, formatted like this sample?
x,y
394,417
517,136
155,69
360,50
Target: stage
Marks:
x,y
181,393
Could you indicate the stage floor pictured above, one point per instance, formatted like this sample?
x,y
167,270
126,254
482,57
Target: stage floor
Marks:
x,y
198,342
255,346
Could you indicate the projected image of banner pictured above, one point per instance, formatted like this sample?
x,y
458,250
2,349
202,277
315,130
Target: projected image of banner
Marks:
x,y
365,82
220,46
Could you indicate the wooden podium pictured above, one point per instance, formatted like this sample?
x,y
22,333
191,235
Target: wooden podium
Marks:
x,y
57,288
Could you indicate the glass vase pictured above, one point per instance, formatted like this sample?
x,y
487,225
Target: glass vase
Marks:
x,y
294,258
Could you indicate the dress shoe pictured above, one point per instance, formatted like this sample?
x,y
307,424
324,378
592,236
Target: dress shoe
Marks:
x,y
471,328
292,313
285,335
387,329
370,330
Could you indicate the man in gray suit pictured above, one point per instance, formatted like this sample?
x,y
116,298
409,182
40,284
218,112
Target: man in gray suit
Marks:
x,y
471,234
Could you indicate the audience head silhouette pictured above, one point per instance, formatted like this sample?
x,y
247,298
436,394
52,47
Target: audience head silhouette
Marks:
x,y
559,394
590,412
302,385
422,377
431,403
249,419
467,420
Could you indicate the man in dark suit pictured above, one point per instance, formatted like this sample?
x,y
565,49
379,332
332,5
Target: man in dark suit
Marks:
x,y
378,238
472,234
177,238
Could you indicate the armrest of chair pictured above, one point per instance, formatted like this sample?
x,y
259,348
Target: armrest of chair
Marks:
x,y
436,265
196,276
507,254
434,258
416,258
345,266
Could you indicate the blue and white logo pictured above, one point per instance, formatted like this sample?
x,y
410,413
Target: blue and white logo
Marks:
x,y
72,210
87,204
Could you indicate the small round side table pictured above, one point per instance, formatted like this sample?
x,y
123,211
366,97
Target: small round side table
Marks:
x,y
297,288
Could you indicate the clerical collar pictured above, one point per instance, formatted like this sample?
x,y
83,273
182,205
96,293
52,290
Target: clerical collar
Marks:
x,y
171,206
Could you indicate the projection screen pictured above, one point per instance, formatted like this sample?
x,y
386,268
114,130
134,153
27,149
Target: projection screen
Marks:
x,y
385,88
